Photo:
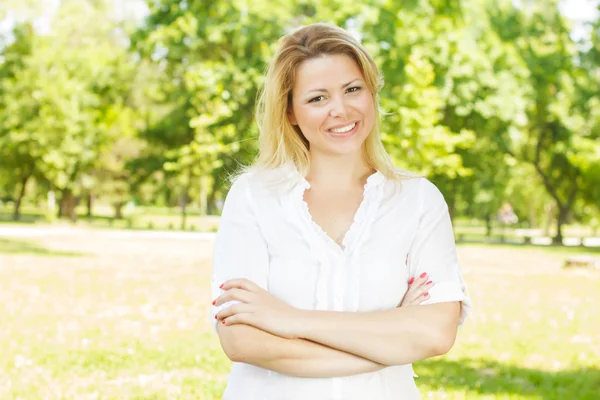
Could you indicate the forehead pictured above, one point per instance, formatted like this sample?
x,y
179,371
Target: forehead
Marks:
x,y
329,71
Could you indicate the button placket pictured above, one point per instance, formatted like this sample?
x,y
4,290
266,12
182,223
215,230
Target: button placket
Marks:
x,y
339,283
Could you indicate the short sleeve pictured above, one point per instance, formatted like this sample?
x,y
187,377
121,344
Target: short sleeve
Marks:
x,y
433,251
240,250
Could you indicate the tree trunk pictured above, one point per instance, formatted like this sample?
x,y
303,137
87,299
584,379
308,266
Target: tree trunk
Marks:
x,y
67,205
59,213
561,219
211,206
184,202
89,203
17,211
488,225
451,206
119,210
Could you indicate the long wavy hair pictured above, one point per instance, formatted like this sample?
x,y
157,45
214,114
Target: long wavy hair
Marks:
x,y
280,142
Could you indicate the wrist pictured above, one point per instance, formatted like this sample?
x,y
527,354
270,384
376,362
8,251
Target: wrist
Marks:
x,y
303,324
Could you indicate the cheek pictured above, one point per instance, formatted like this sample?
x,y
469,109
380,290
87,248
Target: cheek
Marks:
x,y
367,107
311,119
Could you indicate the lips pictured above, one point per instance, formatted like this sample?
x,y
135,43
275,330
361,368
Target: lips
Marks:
x,y
342,132
343,128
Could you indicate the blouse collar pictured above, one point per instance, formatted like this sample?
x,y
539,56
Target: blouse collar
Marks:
x,y
374,180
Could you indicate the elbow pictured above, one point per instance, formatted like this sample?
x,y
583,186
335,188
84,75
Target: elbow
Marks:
x,y
443,342
232,343
445,329
233,351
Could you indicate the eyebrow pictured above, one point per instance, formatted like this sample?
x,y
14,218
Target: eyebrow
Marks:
x,y
325,90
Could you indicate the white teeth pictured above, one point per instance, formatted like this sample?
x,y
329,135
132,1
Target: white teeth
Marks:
x,y
344,129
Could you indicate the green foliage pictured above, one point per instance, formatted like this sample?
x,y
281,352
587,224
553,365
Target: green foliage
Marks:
x,y
162,112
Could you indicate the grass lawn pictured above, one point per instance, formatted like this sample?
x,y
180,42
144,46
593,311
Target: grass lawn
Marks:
x,y
100,316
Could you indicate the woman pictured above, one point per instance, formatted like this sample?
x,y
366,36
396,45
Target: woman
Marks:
x,y
320,240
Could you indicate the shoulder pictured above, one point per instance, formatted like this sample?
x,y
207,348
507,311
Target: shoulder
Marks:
x,y
429,190
419,189
269,182
239,185
262,184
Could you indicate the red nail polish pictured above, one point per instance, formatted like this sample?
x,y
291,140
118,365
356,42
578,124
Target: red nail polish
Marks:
x,y
215,316
426,294
411,281
223,322
214,302
424,274
429,283
221,287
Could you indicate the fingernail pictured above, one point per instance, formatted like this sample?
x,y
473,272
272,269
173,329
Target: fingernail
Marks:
x,y
221,287
223,322
429,283
424,274
426,294
214,302
215,316
411,281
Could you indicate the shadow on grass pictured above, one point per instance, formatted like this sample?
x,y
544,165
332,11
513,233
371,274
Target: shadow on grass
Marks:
x,y
26,218
489,377
11,246
549,248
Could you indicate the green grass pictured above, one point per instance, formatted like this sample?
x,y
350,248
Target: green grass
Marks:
x,y
128,319
144,218
14,246
164,218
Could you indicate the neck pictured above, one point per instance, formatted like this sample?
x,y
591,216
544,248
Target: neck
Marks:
x,y
338,171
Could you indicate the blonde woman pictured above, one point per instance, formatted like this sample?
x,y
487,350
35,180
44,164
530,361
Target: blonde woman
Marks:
x,y
324,246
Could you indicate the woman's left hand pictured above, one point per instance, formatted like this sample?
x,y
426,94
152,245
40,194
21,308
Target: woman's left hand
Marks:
x,y
257,308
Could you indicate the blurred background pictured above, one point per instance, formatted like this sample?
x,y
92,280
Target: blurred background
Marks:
x,y
121,122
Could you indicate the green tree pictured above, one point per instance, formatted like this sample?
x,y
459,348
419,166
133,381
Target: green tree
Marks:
x,y
211,56
78,80
556,140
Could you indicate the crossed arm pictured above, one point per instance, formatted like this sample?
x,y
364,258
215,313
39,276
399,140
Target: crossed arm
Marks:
x,y
294,357
263,331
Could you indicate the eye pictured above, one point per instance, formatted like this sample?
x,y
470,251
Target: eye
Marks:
x,y
316,99
354,89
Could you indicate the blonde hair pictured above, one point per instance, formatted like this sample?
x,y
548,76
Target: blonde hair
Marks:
x,y
280,142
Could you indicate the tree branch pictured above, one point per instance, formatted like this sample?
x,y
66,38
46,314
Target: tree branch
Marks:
x,y
536,163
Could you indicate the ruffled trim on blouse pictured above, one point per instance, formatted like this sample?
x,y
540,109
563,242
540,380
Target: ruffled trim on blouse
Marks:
x,y
367,207
320,242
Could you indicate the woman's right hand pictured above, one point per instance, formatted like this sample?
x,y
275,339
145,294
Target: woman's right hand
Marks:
x,y
418,291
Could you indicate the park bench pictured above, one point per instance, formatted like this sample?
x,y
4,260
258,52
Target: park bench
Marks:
x,y
582,262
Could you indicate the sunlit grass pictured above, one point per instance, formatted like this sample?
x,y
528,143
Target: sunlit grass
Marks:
x,y
127,319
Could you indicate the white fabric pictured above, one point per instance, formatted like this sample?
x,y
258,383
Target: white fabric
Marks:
x,y
267,235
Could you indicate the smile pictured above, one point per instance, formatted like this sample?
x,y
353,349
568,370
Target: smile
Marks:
x,y
344,130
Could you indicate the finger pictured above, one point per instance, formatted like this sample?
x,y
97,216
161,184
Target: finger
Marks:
x,y
419,299
414,283
420,293
419,279
237,319
233,294
419,286
241,284
232,310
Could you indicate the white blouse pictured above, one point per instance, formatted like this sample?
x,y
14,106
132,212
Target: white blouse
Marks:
x,y
400,230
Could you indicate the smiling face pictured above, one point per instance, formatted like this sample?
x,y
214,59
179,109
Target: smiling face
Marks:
x,y
332,105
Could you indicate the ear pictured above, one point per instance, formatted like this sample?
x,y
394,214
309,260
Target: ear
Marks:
x,y
292,117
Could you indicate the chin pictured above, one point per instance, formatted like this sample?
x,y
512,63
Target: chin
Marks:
x,y
346,149
340,145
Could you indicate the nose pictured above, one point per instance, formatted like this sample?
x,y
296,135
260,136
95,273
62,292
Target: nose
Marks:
x,y
338,108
